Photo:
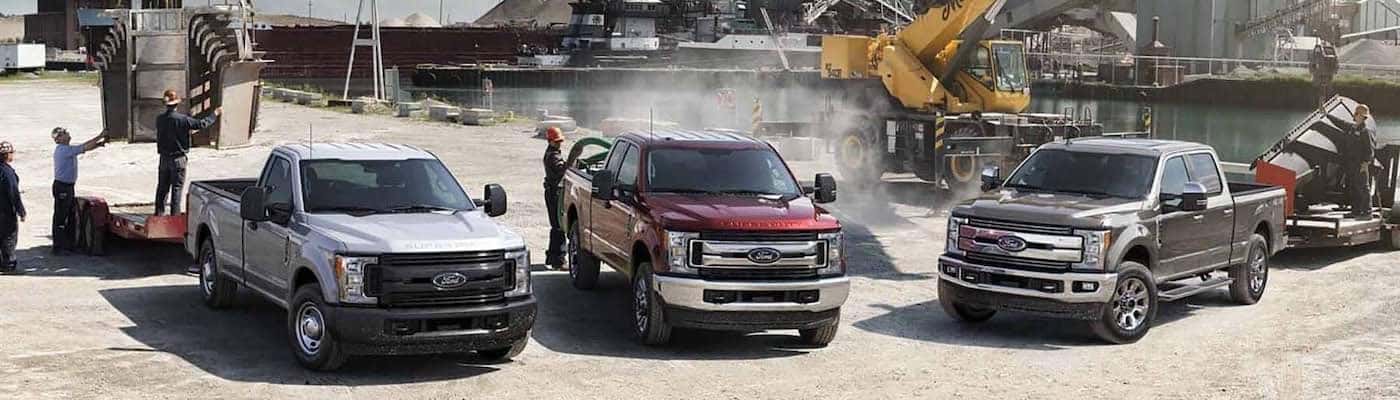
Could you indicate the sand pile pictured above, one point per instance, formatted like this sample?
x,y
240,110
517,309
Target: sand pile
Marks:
x,y
539,13
1370,52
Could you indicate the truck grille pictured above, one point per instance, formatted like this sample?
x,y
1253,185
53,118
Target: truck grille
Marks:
x,y
725,255
406,280
993,260
1019,227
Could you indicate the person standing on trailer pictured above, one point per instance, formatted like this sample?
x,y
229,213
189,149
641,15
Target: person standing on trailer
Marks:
x,y
553,178
65,175
11,209
173,130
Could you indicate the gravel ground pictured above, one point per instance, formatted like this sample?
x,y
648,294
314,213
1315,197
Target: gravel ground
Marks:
x,y
130,325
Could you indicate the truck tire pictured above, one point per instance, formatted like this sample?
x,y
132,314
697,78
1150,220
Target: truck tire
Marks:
x,y
219,291
961,312
1129,313
583,267
1251,277
823,335
648,319
857,160
312,343
505,353
94,235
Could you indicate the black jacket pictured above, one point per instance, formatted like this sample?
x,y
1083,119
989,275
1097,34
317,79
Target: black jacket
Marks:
x,y
11,203
173,131
553,168
1360,141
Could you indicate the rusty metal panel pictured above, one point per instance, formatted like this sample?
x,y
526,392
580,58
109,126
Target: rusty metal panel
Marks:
x,y
239,81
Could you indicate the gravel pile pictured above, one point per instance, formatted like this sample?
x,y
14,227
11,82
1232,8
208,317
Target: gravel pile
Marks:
x,y
1370,52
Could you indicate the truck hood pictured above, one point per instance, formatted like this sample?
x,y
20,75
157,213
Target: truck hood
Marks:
x,y
415,233
699,212
1058,209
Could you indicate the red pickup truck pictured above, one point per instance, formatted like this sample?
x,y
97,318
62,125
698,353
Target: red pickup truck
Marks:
x,y
713,232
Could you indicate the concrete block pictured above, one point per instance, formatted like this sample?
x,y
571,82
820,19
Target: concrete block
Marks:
x,y
444,113
566,125
406,109
306,99
478,116
358,106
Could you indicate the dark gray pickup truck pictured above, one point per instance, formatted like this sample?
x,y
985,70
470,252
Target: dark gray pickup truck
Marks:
x,y
1103,229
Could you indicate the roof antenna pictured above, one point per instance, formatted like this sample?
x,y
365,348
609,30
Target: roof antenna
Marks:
x,y
310,140
651,123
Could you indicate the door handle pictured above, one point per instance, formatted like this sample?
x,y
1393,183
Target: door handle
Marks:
x,y
1198,218
1228,212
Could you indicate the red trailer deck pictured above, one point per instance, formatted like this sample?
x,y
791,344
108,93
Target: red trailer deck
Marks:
x,y
97,219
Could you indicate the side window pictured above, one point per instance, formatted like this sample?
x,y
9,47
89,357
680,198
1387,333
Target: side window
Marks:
x,y
631,165
615,155
981,66
1174,177
279,182
1205,172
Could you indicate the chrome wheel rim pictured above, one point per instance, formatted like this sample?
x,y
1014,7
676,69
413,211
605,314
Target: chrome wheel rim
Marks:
x,y
310,328
1258,272
206,271
1130,304
640,303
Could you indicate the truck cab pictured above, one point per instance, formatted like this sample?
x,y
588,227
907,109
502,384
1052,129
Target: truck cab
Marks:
x,y
371,248
1103,229
712,231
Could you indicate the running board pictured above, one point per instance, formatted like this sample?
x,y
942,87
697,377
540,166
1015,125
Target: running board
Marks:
x,y
1182,292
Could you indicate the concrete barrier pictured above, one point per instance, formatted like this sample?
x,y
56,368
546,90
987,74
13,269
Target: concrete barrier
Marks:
x,y
406,109
444,113
307,99
478,116
357,106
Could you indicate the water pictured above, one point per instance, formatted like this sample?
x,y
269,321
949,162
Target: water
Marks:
x,y
1238,134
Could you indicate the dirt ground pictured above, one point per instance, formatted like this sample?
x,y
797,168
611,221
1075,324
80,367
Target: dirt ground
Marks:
x,y
131,325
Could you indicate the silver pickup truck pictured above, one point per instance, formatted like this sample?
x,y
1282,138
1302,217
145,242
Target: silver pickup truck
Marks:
x,y
371,248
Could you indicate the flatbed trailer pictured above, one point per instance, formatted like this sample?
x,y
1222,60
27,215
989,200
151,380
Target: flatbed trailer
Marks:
x,y
97,221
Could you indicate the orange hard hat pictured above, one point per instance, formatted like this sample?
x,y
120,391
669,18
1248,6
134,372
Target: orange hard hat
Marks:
x,y
553,134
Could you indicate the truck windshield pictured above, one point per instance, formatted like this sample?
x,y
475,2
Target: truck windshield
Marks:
x,y
1086,173
1011,66
379,186
729,171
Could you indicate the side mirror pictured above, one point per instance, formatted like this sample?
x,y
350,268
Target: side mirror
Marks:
x,y
252,205
603,186
991,178
825,189
1193,197
495,200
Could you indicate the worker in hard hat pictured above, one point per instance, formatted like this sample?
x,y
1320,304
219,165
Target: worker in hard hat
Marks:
x,y
65,176
173,131
11,209
553,177
1357,163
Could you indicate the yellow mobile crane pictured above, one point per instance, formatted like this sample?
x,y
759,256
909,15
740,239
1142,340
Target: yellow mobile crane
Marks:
x,y
935,99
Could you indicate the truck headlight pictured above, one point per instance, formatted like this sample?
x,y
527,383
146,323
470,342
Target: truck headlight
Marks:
x,y
1095,249
954,225
350,276
835,254
677,254
520,260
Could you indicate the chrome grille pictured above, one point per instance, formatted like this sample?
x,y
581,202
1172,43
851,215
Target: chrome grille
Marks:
x,y
1036,250
1019,227
726,255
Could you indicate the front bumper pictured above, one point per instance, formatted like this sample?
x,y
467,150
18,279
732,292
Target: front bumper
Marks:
x,y
728,305
1054,294
383,331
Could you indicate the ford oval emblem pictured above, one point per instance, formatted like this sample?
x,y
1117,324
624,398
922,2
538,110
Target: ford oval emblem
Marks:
x,y
765,255
449,280
1011,243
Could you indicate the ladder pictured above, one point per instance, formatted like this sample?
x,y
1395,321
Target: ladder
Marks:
x,y
373,42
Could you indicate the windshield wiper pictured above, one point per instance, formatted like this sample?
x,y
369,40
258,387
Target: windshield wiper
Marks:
x,y
1028,188
751,192
420,208
680,191
1093,193
357,211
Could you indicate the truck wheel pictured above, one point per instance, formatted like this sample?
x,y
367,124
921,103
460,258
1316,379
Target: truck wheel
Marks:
x,y
823,335
648,322
219,291
1251,277
857,160
312,343
1129,313
505,353
94,236
959,311
583,267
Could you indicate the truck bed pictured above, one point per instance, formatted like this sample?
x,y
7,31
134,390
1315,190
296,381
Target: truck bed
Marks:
x,y
230,188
